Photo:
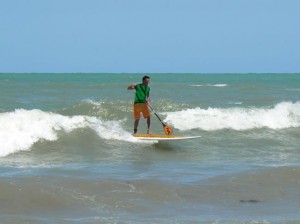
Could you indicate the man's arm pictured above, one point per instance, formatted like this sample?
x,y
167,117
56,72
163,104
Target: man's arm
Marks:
x,y
132,86
148,99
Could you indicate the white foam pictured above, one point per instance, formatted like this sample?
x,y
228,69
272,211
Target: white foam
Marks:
x,y
282,115
218,85
20,129
93,102
211,85
235,103
110,129
196,85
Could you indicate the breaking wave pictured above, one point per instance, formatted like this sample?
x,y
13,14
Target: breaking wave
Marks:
x,y
281,116
22,128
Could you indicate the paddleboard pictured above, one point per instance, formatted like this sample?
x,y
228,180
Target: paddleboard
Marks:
x,y
162,137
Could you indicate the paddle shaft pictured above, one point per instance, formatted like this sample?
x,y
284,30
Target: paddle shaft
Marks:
x,y
157,116
168,130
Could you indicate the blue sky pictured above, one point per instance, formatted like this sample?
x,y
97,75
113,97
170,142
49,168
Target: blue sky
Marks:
x,y
204,36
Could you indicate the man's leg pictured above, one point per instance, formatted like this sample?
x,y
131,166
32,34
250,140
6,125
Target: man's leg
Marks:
x,y
148,125
136,124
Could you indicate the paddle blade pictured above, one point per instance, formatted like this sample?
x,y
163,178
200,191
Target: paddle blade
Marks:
x,y
168,130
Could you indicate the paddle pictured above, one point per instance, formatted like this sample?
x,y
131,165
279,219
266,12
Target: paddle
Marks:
x,y
168,130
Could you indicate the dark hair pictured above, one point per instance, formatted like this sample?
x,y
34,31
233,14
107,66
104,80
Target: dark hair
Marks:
x,y
146,77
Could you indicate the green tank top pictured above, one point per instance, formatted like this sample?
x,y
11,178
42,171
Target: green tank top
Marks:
x,y
141,93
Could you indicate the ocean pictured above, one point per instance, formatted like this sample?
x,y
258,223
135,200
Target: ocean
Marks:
x,y
67,154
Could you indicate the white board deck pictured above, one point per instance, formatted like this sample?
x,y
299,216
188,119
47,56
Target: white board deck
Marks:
x,y
161,137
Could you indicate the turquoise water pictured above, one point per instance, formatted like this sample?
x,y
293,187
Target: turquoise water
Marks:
x,y
67,154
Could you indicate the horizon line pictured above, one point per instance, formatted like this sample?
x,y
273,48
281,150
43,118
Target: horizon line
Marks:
x,y
149,72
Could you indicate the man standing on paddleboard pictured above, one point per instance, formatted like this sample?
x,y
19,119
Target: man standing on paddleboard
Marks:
x,y
141,100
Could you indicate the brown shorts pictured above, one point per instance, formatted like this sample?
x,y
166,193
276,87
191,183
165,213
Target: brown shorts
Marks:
x,y
140,108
